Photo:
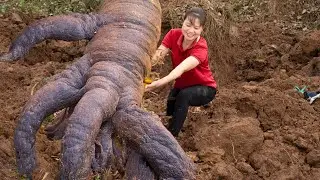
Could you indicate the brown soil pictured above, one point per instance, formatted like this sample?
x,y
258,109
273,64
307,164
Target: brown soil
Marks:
x,y
258,127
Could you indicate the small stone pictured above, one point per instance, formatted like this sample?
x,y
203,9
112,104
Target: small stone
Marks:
x,y
289,138
313,158
193,156
62,44
303,144
263,172
234,31
10,69
213,154
268,135
316,137
269,143
16,17
245,168
5,148
304,11
284,48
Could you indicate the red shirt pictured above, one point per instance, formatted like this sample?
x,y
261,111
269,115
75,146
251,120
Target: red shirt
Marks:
x,y
201,74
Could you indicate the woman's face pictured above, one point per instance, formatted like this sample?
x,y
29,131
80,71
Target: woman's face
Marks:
x,y
191,31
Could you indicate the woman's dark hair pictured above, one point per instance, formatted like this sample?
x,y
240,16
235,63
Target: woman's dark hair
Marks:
x,y
196,13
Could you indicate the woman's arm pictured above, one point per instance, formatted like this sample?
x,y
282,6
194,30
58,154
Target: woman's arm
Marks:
x,y
186,65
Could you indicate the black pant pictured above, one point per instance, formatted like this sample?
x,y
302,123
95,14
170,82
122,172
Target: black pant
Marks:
x,y
179,101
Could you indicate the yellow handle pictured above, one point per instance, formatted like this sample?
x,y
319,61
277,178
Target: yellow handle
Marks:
x,y
147,80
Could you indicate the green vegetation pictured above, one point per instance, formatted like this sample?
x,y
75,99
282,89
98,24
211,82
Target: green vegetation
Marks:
x,y
97,177
48,119
45,7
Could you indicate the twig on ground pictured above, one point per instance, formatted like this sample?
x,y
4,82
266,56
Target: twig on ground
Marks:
x,y
45,176
233,151
288,155
33,87
153,93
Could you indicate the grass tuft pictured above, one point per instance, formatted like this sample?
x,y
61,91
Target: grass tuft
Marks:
x,y
47,8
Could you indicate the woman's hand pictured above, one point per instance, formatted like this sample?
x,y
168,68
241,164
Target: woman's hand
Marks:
x,y
154,85
189,63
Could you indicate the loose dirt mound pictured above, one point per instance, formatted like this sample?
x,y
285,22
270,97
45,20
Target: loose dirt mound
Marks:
x,y
258,127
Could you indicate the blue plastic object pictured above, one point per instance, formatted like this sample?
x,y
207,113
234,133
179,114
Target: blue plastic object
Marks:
x,y
309,94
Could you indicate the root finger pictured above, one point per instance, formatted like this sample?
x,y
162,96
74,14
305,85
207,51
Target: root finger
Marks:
x,y
102,158
138,168
82,130
149,137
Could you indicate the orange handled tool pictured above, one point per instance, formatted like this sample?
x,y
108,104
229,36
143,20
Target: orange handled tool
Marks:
x,y
147,80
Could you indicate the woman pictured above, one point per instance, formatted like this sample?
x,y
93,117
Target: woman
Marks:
x,y
194,84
